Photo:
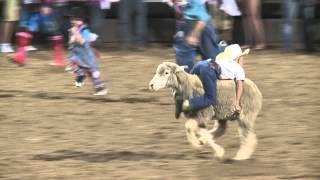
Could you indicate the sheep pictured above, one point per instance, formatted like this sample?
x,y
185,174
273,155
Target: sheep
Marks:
x,y
203,126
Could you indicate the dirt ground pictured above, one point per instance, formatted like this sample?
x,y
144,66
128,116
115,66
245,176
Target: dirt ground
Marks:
x,y
51,130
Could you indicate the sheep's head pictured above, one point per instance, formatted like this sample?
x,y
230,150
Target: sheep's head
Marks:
x,y
165,76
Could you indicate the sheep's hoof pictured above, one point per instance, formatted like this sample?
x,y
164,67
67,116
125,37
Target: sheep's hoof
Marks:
x,y
240,158
219,154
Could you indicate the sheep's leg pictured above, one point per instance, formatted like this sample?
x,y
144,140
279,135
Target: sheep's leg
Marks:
x,y
192,135
248,139
219,128
207,137
215,127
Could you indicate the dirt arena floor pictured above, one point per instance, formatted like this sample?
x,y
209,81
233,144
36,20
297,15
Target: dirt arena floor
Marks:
x,y
51,130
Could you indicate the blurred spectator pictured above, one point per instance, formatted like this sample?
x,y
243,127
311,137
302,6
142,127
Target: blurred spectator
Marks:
x,y
41,20
132,11
254,30
95,14
195,32
224,12
290,13
11,16
61,10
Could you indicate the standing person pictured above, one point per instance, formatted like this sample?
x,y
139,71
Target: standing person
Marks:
x,y
290,9
195,32
41,20
11,16
81,53
132,11
254,30
96,8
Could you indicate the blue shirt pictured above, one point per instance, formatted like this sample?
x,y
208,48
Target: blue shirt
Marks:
x,y
85,33
196,10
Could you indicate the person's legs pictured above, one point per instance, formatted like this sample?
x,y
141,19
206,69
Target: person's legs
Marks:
x,y
8,28
88,58
185,54
209,47
247,24
11,16
23,40
95,18
208,77
141,22
63,23
290,11
308,26
257,25
124,19
58,50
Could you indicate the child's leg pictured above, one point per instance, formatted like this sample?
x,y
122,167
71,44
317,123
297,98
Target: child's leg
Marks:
x,y
99,86
98,83
80,76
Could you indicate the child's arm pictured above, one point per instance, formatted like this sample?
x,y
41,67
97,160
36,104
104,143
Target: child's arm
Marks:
x,y
240,77
77,36
240,59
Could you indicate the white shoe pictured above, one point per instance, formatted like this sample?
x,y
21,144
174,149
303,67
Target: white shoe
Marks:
x,y
101,92
31,48
79,84
69,69
6,48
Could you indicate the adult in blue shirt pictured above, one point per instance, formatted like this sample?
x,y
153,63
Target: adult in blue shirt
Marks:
x,y
195,32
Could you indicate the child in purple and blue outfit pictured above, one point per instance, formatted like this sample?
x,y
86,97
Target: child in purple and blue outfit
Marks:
x,y
82,56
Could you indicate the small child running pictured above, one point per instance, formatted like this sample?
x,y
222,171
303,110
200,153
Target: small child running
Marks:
x,y
82,56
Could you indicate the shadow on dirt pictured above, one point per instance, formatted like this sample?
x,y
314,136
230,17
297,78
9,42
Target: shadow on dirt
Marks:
x,y
68,96
107,156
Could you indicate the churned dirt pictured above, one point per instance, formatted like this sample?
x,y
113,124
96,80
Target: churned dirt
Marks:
x,y
51,130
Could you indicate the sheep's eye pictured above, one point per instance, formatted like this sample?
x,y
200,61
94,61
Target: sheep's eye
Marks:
x,y
166,73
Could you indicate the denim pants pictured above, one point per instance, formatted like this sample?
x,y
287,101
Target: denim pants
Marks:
x,y
208,47
290,10
127,10
208,76
85,59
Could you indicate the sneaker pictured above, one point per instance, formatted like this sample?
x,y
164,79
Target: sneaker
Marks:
x,y
69,69
79,84
101,91
79,81
6,48
31,48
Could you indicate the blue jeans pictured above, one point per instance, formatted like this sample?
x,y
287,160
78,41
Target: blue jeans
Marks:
x,y
185,54
84,57
290,10
208,76
127,10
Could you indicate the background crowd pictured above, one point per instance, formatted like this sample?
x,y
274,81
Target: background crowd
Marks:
x,y
46,20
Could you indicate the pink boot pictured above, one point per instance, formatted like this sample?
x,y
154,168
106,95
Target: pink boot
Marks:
x,y
23,40
58,50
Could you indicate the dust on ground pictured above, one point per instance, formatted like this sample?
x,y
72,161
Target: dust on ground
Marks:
x,y
51,130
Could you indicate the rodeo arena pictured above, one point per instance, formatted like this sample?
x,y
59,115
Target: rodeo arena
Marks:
x,y
159,89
